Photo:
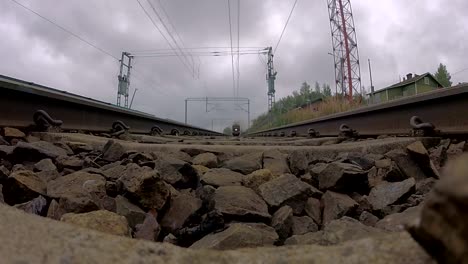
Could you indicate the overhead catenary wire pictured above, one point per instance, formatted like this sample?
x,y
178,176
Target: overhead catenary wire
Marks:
x,y
164,36
89,43
285,25
176,32
67,31
232,53
238,45
171,36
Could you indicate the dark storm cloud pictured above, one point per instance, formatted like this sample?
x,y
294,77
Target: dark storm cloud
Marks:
x,y
399,37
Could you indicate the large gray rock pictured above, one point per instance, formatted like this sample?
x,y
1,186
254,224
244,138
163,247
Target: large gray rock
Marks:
x,y
208,160
149,229
398,222
144,186
239,235
388,193
336,232
257,178
102,220
112,151
368,218
23,237
438,154
443,228
23,186
245,164
11,132
314,171
37,151
365,162
177,172
75,184
134,214
302,225
180,209
339,176
4,173
69,162
74,204
222,177
406,164
286,187
240,203
282,221
314,210
375,176
336,205
393,174
79,147
53,210
276,162
45,165
113,173
37,206
5,150
420,154
455,150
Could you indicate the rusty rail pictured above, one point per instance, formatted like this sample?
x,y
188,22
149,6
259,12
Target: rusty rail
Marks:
x,y
446,109
20,102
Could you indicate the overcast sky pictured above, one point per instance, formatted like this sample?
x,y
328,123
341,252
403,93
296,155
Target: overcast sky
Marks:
x,y
399,36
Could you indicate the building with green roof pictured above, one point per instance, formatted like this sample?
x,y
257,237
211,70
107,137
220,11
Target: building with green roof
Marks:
x,y
411,85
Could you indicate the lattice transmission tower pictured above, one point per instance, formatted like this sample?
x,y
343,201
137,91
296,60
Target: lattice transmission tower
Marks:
x,y
345,48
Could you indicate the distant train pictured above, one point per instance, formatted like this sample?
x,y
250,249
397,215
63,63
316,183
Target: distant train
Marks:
x,y
236,130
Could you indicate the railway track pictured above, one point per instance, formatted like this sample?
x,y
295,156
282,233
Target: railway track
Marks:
x,y
24,104
438,112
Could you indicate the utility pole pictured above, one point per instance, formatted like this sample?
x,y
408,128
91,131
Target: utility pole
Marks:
x,y
371,85
124,78
271,77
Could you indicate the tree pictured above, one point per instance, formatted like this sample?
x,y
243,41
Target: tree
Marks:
x,y
326,91
317,87
227,131
443,76
305,89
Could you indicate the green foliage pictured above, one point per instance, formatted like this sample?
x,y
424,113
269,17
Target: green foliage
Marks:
x,y
298,99
443,76
227,131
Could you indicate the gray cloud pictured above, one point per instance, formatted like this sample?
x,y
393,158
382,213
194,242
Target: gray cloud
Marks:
x,y
399,37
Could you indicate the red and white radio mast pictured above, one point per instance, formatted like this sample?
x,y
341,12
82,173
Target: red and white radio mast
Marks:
x,y
345,48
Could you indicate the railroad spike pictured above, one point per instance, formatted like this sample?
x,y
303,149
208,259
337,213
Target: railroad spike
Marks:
x,y
293,133
421,128
119,128
347,132
175,132
156,131
313,133
44,121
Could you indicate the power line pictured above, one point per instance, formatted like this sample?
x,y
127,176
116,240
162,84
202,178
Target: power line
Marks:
x,y
177,33
161,32
238,44
285,25
171,36
67,31
232,56
76,36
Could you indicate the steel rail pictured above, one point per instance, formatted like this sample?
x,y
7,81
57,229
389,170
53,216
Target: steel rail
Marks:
x,y
20,100
446,109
